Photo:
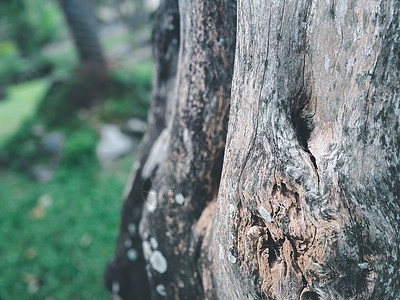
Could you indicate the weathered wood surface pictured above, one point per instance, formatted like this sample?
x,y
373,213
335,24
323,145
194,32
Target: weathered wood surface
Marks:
x,y
180,170
188,177
308,203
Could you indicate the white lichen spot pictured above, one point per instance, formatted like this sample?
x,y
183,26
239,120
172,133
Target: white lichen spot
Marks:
x,y
265,214
232,210
231,258
191,250
221,252
115,287
161,290
148,271
132,229
127,243
132,254
179,198
151,203
363,266
181,285
153,243
146,250
391,269
158,262
168,234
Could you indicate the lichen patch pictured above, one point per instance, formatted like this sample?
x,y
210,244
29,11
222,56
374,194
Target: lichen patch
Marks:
x,y
180,199
158,262
151,203
161,290
265,214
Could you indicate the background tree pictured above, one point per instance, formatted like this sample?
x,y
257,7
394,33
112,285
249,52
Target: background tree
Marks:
x,y
308,203
79,16
90,84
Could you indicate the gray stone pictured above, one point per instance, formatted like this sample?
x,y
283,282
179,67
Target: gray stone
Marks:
x,y
37,130
42,173
52,143
113,144
135,126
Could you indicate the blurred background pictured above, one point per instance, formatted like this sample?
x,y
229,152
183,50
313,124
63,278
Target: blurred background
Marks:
x,y
75,85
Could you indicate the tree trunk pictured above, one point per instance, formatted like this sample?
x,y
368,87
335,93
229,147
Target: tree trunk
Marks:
x,y
308,206
79,16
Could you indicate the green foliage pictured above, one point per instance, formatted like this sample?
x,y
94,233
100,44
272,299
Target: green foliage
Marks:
x,y
31,23
58,248
20,103
25,27
80,147
131,89
11,63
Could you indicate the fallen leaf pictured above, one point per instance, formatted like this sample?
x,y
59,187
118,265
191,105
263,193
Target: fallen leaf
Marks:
x,y
30,253
38,212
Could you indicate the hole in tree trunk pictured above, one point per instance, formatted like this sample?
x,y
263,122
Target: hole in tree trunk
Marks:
x,y
302,121
309,296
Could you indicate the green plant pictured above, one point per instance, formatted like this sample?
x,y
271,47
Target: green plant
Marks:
x,y
11,63
80,146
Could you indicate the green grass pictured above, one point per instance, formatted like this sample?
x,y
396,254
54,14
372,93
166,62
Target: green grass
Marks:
x,y
113,41
58,248
59,251
21,103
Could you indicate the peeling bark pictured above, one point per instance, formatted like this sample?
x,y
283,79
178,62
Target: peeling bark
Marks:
x,y
308,203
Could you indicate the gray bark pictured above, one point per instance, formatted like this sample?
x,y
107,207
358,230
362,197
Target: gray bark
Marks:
x,y
309,201
308,206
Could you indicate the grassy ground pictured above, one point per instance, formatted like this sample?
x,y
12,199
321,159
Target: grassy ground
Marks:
x,y
22,98
55,238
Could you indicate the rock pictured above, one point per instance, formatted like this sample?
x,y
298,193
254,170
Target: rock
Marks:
x,y
42,173
106,14
52,143
135,126
37,130
113,144
151,6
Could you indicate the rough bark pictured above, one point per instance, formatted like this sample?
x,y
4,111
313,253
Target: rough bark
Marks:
x,y
181,171
309,200
308,203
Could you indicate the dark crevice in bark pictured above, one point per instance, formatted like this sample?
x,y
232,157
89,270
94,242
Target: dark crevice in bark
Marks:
x,y
310,296
197,256
273,249
302,122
